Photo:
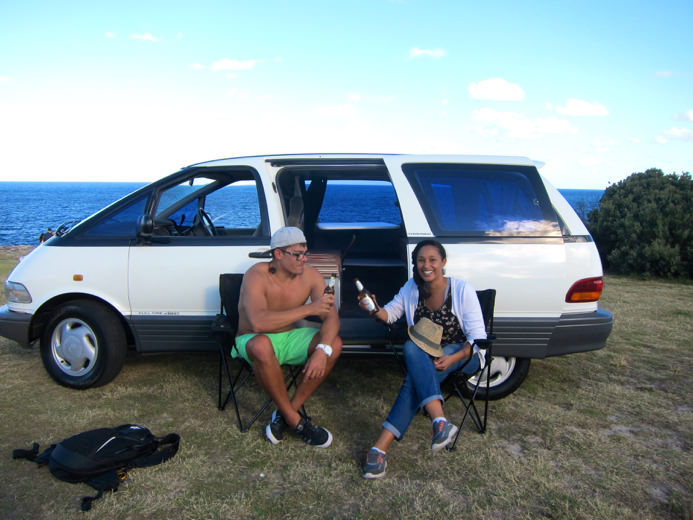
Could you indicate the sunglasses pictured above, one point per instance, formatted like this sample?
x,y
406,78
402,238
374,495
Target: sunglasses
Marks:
x,y
297,256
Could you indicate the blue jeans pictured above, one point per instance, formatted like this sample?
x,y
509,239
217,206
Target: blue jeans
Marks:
x,y
421,385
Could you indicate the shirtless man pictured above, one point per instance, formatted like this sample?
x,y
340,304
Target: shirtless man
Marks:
x,y
273,298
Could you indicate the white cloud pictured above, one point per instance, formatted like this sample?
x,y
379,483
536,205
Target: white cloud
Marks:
x,y
589,160
345,110
432,53
356,98
661,140
680,134
602,146
519,126
179,35
145,37
664,73
581,108
685,116
110,35
198,66
4,79
635,140
228,64
497,89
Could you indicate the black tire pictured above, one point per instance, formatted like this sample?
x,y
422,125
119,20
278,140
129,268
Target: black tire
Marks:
x,y
83,345
507,374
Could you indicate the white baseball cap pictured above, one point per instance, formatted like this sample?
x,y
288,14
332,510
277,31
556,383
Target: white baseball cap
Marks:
x,y
287,236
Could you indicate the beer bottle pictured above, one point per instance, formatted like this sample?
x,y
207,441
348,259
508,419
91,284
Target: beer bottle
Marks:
x,y
330,285
365,295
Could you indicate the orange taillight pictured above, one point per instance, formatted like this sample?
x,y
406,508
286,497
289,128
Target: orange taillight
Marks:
x,y
587,290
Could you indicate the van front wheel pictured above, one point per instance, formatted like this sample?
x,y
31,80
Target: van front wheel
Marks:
x,y
507,374
83,345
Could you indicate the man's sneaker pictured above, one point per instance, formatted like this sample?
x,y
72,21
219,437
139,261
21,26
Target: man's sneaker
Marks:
x,y
376,464
313,435
275,429
443,433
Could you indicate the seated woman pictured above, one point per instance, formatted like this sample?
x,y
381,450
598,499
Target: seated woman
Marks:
x,y
445,319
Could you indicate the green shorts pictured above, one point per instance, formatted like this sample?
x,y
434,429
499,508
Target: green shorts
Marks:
x,y
291,347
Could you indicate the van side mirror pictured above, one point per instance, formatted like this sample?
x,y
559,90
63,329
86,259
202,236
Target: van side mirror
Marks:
x,y
145,227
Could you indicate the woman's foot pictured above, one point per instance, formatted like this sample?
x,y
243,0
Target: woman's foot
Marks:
x,y
376,464
443,433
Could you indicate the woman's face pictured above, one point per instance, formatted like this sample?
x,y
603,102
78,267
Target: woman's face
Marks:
x,y
430,264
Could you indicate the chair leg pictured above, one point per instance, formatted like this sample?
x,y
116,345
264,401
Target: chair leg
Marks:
x,y
291,380
470,405
223,368
234,385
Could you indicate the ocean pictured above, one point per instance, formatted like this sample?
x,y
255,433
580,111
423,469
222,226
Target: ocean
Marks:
x,y
29,208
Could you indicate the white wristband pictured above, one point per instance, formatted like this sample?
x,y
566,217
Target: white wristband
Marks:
x,y
325,348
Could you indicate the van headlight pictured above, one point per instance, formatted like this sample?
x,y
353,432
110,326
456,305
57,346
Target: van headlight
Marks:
x,y
16,293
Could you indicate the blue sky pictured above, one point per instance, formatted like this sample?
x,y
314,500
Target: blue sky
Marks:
x,y
134,90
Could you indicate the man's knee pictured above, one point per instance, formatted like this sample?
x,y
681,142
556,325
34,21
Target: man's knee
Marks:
x,y
260,349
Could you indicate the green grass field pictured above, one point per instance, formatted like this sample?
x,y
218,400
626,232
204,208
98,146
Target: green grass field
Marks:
x,y
599,435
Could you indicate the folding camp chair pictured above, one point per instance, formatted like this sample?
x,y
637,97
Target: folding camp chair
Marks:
x,y
459,380
224,329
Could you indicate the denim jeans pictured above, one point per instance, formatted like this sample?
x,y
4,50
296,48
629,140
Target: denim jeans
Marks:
x,y
421,385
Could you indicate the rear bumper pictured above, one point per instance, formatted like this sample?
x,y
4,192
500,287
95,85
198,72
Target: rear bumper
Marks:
x,y
580,333
15,325
545,337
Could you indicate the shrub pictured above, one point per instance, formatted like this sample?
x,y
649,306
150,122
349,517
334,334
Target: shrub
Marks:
x,y
644,225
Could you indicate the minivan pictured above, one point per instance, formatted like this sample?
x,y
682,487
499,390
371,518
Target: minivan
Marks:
x,y
143,272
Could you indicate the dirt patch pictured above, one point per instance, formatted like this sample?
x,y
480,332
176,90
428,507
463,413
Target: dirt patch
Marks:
x,y
15,251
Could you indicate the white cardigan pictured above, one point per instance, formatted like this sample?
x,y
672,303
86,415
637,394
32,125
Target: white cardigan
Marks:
x,y
465,305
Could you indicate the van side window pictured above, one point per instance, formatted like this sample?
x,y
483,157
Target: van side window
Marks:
x,y
216,206
486,200
235,206
379,206
121,224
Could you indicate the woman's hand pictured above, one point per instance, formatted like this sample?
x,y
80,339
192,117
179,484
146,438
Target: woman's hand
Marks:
x,y
443,362
362,302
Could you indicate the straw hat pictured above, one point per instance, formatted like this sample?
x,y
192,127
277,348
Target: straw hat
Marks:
x,y
427,336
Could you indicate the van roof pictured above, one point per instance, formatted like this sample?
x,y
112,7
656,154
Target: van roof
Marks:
x,y
455,158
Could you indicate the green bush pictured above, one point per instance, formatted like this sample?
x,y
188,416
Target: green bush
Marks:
x,y
644,225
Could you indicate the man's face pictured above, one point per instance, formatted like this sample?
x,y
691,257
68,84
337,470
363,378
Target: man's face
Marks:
x,y
293,258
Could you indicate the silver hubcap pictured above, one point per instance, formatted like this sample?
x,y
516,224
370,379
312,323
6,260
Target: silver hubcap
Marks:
x,y
74,347
501,369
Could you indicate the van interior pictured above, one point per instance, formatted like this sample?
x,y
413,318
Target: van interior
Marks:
x,y
352,222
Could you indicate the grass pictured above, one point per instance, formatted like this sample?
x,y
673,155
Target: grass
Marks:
x,y
599,435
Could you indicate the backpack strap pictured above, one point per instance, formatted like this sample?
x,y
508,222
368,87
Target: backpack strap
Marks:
x,y
167,447
33,454
26,454
108,481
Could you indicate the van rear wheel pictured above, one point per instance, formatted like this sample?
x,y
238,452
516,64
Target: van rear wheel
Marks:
x,y
507,374
83,345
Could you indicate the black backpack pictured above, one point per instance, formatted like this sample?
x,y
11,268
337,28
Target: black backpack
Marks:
x,y
102,457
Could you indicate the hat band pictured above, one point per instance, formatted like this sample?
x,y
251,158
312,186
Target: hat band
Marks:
x,y
424,339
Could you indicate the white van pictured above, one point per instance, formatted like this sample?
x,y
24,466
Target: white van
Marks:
x,y
144,271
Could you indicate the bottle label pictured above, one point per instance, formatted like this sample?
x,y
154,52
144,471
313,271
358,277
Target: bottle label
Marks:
x,y
370,304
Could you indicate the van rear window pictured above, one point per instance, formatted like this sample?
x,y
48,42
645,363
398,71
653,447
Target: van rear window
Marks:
x,y
483,200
